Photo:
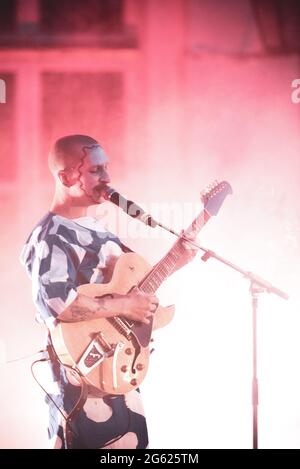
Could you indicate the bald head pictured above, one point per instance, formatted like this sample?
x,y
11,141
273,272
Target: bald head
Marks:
x,y
67,152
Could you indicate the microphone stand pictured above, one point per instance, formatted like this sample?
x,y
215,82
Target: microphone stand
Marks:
x,y
258,285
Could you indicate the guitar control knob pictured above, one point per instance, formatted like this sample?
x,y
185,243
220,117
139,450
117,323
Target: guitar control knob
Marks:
x,y
124,368
128,351
140,366
133,382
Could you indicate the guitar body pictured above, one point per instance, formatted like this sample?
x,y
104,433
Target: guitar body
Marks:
x,y
110,356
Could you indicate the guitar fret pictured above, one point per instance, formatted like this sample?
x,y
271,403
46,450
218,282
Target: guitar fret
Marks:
x,y
163,270
171,261
163,274
145,289
153,285
156,279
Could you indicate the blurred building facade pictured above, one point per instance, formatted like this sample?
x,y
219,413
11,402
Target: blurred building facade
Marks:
x,y
109,67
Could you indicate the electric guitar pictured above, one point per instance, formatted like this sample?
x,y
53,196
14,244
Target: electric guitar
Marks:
x,y
112,354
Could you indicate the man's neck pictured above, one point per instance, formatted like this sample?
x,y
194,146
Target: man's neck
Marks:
x,y
68,210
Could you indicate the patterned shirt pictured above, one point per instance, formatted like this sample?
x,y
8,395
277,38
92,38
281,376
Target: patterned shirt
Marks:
x,y
59,255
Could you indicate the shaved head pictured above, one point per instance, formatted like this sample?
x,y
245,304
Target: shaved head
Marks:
x,y
67,152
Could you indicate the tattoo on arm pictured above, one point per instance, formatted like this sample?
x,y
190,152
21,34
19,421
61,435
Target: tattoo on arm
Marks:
x,y
83,313
79,313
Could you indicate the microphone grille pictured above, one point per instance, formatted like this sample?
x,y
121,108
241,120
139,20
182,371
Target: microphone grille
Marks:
x,y
108,192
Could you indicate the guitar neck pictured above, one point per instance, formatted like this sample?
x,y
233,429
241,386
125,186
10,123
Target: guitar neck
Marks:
x,y
169,262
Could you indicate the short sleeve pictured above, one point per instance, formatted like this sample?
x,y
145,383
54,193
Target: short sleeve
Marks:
x,y
54,277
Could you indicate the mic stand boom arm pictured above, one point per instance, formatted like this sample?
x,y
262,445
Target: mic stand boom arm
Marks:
x,y
254,279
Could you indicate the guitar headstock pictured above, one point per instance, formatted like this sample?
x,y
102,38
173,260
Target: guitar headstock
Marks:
x,y
213,196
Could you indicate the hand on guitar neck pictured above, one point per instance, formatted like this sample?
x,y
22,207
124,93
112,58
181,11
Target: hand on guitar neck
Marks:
x,y
188,251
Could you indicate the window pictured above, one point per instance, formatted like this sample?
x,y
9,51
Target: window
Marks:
x,y
81,16
7,16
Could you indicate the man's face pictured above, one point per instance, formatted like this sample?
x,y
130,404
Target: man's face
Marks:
x,y
91,176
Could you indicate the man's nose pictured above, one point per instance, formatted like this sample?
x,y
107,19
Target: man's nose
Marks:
x,y
105,177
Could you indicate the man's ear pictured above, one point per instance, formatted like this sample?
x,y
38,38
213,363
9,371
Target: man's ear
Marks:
x,y
67,178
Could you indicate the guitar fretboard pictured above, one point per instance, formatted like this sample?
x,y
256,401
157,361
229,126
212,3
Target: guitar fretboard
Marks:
x,y
169,262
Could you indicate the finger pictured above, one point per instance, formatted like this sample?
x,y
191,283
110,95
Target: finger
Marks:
x,y
187,245
190,236
145,321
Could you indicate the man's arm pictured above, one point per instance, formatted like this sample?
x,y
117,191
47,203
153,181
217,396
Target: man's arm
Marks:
x,y
136,305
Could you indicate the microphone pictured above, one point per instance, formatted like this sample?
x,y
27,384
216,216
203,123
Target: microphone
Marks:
x,y
129,207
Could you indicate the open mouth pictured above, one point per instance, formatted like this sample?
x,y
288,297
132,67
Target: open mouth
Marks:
x,y
100,190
